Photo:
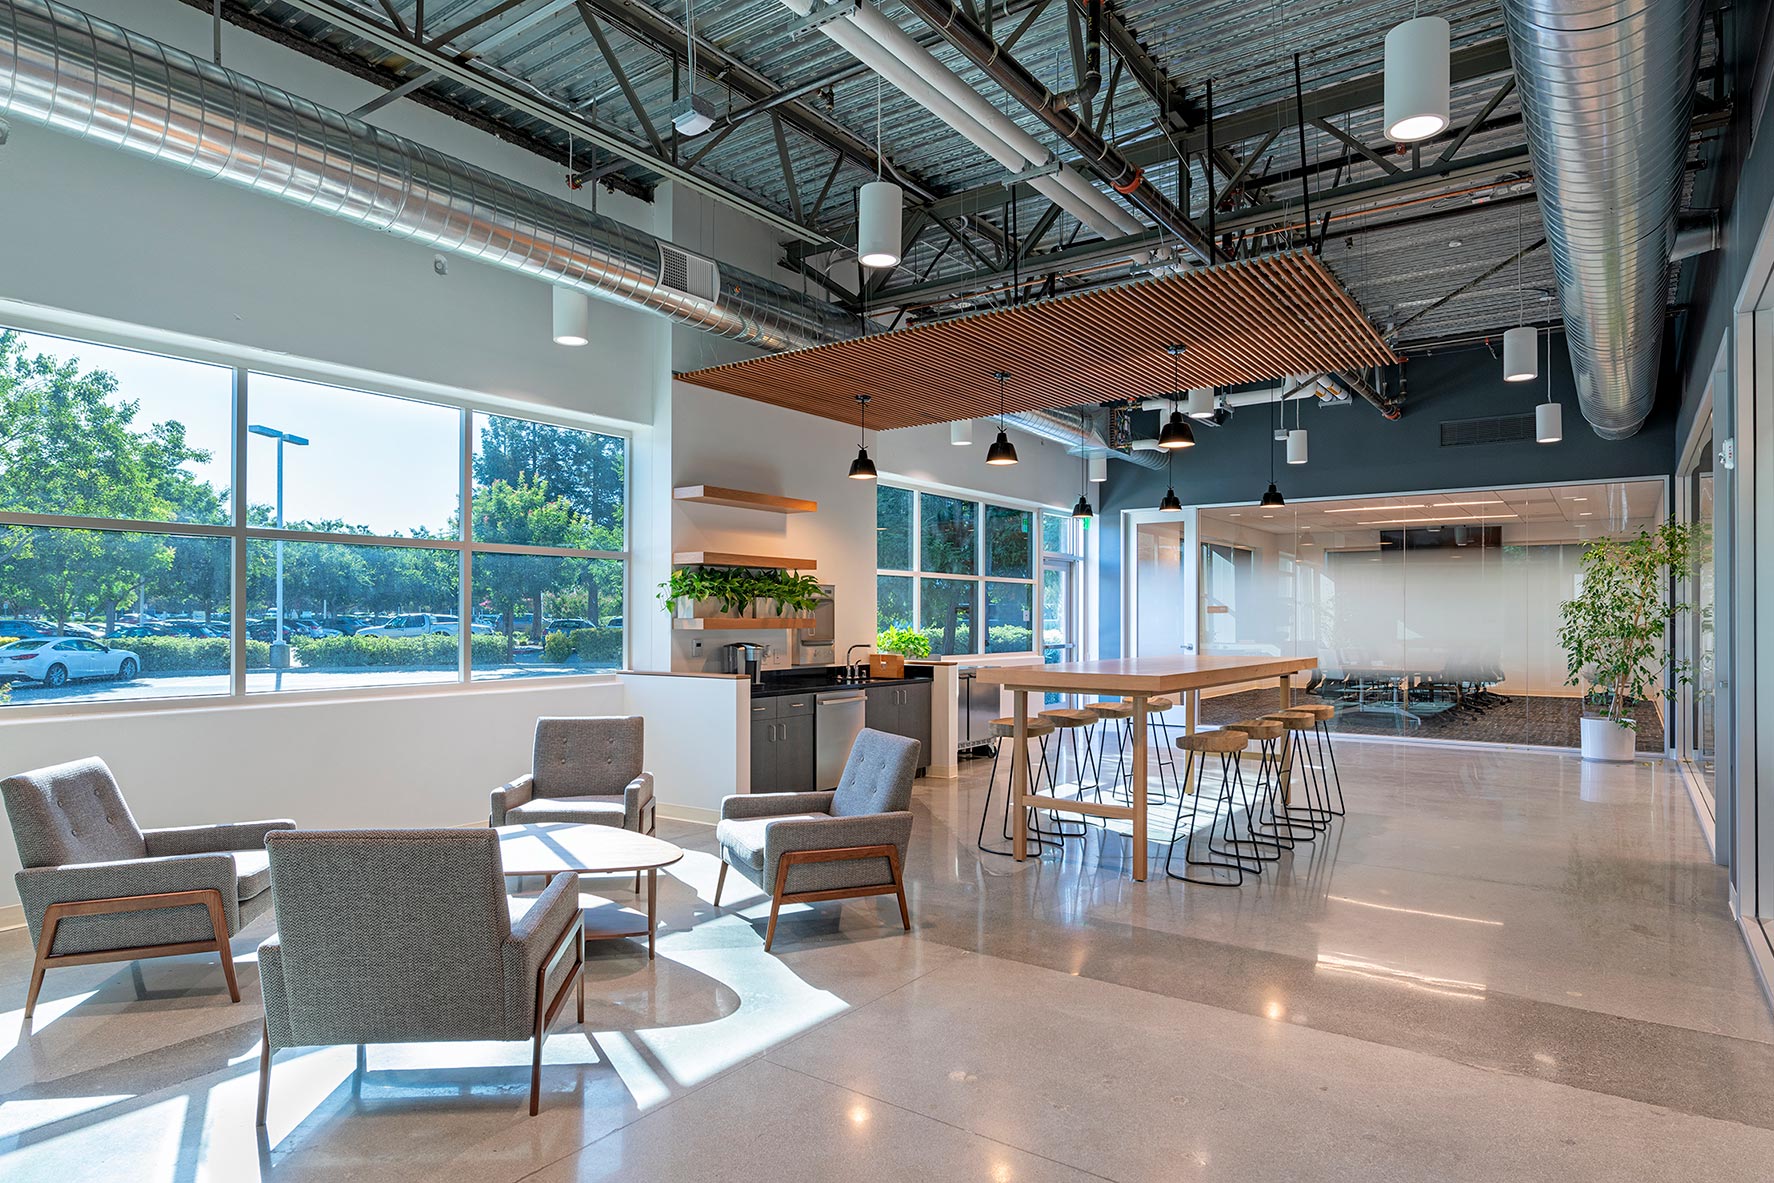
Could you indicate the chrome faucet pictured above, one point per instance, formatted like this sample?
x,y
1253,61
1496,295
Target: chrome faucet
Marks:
x,y
852,670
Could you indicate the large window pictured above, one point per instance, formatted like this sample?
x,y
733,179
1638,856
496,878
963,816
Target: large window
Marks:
x,y
947,565
345,550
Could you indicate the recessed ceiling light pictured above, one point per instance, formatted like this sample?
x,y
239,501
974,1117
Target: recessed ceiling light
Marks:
x,y
1587,514
1456,242
1579,499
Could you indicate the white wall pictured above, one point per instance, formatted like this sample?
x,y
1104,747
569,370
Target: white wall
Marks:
x,y
93,230
719,439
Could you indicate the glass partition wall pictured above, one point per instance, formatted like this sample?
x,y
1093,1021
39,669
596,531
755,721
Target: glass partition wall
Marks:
x,y
1432,616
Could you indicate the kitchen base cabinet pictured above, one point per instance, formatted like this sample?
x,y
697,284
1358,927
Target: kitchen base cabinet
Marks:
x,y
782,744
903,709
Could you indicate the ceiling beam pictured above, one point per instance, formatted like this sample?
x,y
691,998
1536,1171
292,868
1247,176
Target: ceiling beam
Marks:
x,y
547,111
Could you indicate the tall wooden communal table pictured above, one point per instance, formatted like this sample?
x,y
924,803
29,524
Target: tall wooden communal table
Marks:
x,y
1138,679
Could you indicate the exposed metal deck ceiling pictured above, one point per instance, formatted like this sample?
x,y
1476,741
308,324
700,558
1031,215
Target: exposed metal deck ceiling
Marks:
x,y
1393,214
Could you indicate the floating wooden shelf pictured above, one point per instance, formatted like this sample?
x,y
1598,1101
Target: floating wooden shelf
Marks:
x,y
742,499
750,623
727,558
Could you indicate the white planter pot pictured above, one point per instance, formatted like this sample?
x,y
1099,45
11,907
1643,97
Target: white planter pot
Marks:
x,y
684,608
1606,740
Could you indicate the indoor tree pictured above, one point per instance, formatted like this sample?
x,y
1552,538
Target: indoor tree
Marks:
x,y
1613,631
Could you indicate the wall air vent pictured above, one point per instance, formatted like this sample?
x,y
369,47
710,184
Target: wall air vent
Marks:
x,y
1496,429
691,274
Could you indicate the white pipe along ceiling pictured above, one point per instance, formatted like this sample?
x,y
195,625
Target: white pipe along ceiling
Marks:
x,y
914,71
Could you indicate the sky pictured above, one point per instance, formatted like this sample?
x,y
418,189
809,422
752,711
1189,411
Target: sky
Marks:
x,y
387,463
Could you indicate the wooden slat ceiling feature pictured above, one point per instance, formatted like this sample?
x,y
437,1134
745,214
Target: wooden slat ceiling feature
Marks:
x,y
1249,321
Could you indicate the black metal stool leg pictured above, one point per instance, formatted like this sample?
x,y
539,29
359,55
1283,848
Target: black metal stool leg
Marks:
x,y
1189,859
1330,754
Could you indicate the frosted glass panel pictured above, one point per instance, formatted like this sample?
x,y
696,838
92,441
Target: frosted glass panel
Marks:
x,y
1431,616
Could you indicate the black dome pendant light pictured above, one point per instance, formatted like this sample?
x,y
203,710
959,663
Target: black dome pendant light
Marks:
x,y
1171,503
1002,450
1272,498
1177,433
1082,509
862,468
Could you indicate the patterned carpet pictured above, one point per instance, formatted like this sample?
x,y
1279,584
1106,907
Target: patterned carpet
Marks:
x,y
1527,719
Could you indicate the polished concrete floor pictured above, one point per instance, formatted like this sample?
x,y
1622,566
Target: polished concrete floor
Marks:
x,y
1501,965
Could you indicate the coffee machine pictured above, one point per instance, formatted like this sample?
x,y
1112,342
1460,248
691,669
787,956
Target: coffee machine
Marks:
x,y
744,657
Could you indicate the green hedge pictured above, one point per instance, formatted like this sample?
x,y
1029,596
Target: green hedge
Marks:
x,y
599,646
189,655
1008,638
429,651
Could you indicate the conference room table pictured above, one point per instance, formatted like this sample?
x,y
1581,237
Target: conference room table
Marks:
x,y
1138,679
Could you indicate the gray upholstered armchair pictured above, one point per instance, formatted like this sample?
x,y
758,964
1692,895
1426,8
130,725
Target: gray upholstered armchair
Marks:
x,y
584,770
851,841
97,887
407,936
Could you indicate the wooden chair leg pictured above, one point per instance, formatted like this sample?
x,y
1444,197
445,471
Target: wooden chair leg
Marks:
x,y
218,919
51,918
536,1069
782,866
905,916
264,1071
720,884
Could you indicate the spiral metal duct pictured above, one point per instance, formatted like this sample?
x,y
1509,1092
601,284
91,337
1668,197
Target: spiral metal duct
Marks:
x,y
1606,93
65,70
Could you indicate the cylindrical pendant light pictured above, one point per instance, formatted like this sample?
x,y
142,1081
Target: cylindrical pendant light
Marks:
x,y
880,206
571,316
961,433
1200,403
1099,468
1549,416
1521,353
1416,99
1296,446
862,468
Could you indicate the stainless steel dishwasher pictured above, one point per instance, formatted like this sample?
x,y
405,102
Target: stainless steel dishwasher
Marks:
x,y
838,717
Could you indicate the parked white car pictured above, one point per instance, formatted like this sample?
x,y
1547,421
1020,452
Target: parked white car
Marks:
x,y
420,624
56,662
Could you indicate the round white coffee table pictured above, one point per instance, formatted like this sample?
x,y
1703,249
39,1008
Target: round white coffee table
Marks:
x,y
549,848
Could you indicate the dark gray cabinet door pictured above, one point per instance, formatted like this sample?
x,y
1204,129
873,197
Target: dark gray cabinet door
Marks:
x,y
765,756
882,712
914,717
794,763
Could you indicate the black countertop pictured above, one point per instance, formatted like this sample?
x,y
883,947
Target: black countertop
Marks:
x,y
814,683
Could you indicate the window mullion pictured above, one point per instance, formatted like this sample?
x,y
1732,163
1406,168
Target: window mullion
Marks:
x,y
237,590
465,559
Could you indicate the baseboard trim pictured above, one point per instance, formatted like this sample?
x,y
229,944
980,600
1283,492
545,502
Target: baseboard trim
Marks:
x,y
1761,953
688,813
12,916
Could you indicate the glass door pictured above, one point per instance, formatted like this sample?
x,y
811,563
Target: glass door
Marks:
x,y
1697,639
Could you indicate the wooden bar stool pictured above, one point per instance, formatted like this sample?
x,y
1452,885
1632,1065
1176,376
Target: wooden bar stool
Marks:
x,y
1068,721
1228,744
1322,714
1264,807
1313,813
1004,731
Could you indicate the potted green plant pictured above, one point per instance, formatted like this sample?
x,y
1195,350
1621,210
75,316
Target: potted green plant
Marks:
x,y
795,594
907,642
1613,632
686,587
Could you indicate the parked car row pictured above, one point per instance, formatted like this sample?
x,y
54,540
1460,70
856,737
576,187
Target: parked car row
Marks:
x,y
58,661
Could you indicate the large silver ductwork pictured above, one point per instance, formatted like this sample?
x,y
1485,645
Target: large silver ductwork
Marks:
x,y
1071,430
1607,91
62,69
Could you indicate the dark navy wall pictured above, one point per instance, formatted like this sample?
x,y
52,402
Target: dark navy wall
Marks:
x,y
1740,184
1354,451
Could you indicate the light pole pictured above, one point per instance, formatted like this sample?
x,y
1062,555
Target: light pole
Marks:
x,y
279,656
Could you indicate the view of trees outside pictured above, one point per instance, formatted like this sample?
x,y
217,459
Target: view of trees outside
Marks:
x,y
95,432
958,539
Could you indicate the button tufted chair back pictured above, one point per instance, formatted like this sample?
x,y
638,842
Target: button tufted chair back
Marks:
x,y
70,813
591,757
878,775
